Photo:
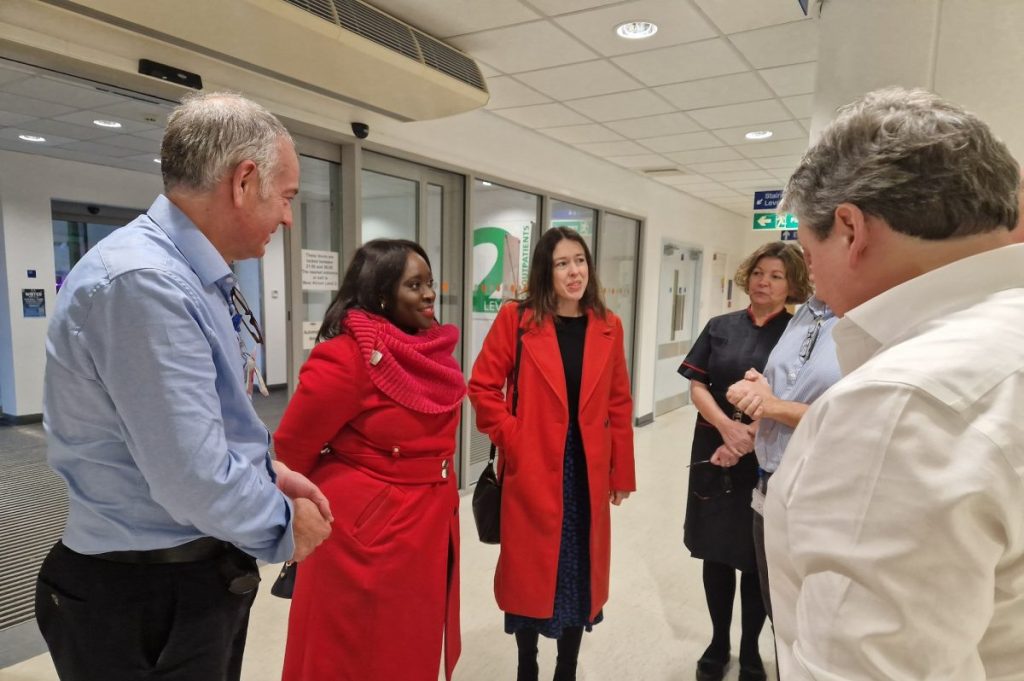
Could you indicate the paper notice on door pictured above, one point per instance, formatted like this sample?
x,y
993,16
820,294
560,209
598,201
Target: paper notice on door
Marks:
x,y
319,270
309,331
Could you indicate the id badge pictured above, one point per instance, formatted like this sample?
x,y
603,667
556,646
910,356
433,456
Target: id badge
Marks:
x,y
757,502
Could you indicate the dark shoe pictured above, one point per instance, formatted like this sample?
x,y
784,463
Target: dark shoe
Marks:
x,y
709,669
752,671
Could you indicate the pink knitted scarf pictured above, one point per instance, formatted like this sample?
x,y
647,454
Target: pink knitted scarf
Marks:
x,y
416,371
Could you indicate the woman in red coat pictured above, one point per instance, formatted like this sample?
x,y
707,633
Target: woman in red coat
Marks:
x,y
373,423
565,454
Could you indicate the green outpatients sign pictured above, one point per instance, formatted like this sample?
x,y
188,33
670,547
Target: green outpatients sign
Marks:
x,y
775,221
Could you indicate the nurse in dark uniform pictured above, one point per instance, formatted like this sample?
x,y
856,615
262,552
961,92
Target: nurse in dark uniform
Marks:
x,y
718,513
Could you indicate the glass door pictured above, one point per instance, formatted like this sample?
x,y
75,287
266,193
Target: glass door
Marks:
x,y
314,254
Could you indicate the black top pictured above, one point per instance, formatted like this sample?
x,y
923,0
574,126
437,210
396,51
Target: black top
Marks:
x,y
728,346
572,332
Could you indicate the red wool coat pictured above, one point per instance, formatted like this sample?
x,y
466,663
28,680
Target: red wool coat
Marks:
x,y
379,600
532,447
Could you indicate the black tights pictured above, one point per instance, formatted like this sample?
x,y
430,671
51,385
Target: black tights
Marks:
x,y
720,590
568,654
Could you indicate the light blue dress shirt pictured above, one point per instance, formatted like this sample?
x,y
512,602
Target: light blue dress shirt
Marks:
x,y
802,366
145,409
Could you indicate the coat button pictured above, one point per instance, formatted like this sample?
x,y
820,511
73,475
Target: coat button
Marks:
x,y
444,469
56,601
395,451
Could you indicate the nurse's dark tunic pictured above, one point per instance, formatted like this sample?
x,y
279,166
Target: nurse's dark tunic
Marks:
x,y
719,519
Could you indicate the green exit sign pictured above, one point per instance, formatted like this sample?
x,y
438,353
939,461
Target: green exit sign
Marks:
x,y
775,221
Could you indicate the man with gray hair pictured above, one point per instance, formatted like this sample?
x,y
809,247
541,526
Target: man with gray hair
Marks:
x,y
172,491
895,526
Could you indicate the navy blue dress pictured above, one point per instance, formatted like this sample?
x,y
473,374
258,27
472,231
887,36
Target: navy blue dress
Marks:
x,y
572,589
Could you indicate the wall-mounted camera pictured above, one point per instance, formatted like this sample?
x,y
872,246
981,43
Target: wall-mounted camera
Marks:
x,y
93,210
361,130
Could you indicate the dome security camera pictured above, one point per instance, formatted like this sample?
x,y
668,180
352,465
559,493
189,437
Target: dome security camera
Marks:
x,y
361,130
93,210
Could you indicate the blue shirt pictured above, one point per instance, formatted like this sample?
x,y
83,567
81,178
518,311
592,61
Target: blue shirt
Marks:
x,y
801,367
146,414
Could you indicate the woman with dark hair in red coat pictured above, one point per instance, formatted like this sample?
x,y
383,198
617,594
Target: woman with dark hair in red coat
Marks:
x,y
373,424
565,455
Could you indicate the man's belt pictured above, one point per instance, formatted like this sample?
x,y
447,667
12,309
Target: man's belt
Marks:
x,y
203,548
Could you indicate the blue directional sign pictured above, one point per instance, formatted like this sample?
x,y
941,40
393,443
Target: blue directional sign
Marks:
x,y
768,200
787,235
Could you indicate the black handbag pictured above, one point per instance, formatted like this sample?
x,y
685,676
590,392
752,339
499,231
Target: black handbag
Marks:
x,y
487,494
284,585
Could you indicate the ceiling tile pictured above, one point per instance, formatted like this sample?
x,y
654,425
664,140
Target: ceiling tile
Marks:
x,y
11,119
732,16
652,126
800,105
100,149
154,134
683,180
677,22
138,144
797,79
525,47
699,94
693,140
85,119
444,18
779,45
754,185
487,71
61,92
588,79
781,130
11,135
543,116
556,7
69,130
688,158
721,166
724,193
684,142
787,162
683,62
642,161
506,92
613,148
766,149
139,112
621,105
698,189
734,115
806,122
36,108
575,134
741,175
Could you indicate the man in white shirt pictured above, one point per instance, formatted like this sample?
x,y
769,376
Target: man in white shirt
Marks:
x,y
895,526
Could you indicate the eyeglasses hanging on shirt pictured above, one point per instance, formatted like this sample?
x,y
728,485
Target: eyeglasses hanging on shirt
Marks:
x,y
242,317
812,336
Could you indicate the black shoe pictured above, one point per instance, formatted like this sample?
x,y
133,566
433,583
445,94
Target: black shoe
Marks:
x,y
709,669
752,671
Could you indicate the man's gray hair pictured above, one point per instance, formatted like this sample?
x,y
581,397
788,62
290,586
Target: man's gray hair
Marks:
x,y
209,134
924,165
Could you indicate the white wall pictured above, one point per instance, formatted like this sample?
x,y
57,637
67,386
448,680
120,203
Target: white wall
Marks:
x,y
27,184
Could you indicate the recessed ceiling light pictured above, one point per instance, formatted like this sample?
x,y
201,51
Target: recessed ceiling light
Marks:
x,y
636,30
485,183
156,160
106,124
32,138
759,134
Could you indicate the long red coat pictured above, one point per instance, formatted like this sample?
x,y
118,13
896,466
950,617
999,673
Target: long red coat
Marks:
x,y
532,446
373,602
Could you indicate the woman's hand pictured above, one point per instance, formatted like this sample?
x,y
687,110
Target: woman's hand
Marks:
x,y
737,436
617,497
725,457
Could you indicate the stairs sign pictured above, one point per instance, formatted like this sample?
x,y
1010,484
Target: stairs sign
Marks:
x,y
768,200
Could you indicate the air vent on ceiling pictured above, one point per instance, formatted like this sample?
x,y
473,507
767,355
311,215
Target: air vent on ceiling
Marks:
x,y
341,49
660,173
385,30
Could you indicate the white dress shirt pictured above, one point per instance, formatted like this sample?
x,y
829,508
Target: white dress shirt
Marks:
x,y
895,526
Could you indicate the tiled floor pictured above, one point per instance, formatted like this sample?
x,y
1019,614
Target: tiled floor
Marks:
x,y
655,625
